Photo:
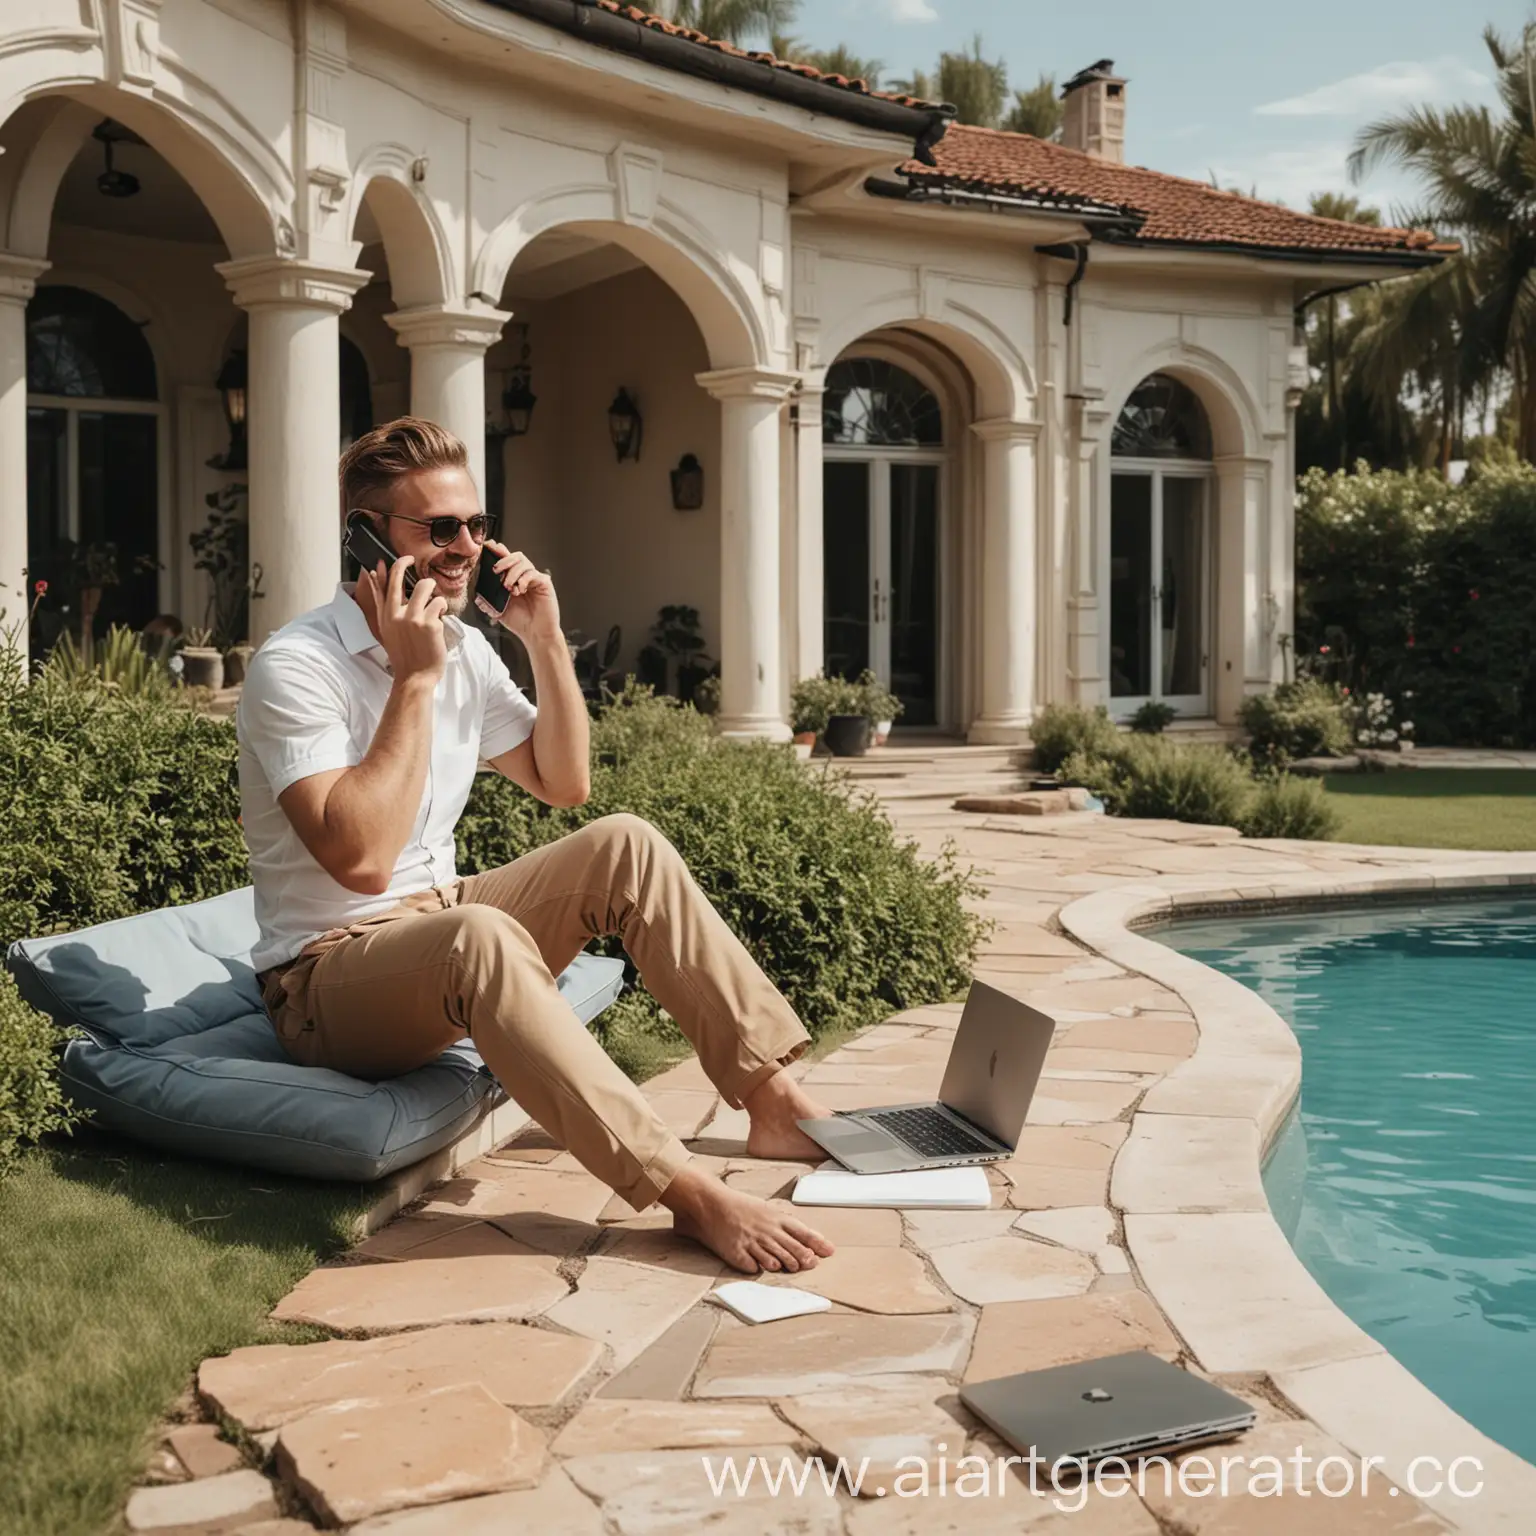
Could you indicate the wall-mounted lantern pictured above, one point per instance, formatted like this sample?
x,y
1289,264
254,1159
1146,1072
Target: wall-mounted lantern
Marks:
x,y
688,484
625,426
518,398
232,386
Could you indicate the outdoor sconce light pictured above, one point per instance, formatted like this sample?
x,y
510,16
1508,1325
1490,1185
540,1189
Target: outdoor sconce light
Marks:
x,y
624,426
231,384
688,484
113,182
517,399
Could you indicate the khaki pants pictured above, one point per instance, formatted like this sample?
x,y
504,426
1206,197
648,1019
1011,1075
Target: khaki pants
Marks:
x,y
479,958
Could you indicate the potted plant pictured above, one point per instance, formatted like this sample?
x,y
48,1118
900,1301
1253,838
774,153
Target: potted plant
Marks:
x,y
202,662
222,549
849,726
809,708
880,704
678,635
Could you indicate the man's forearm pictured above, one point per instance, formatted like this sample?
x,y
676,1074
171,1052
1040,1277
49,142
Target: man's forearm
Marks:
x,y
561,741
372,808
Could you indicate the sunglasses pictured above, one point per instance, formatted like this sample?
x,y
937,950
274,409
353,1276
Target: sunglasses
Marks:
x,y
444,530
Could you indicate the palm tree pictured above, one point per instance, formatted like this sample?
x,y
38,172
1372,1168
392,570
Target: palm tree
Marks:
x,y
976,85
841,60
1344,206
1037,110
1479,173
732,21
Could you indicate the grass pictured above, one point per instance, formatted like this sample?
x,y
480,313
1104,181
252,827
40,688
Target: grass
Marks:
x,y
120,1270
1487,808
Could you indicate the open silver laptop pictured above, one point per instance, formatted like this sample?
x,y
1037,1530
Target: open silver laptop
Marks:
x,y
990,1078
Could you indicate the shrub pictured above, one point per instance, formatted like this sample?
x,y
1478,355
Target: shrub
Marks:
x,y
31,1102
114,804
1307,718
1153,718
1285,806
1059,730
1422,591
1147,776
876,700
847,921
814,700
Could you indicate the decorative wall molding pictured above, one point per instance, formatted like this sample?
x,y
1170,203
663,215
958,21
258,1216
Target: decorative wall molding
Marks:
x,y
636,172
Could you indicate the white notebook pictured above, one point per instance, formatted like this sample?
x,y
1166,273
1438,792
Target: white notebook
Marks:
x,y
759,1303
964,1188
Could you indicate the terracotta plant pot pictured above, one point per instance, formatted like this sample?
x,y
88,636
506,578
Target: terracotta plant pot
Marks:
x,y
202,666
847,735
236,659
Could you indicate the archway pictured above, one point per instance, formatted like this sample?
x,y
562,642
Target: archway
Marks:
x,y
1160,578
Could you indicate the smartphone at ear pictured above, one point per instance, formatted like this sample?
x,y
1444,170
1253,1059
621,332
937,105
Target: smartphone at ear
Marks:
x,y
368,546
490,593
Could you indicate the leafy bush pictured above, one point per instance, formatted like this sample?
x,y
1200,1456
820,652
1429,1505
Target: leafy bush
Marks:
x,y
31,1102
1059,730
113,803
814,700
119,661
1150,777
1421,592
1307,718
877,701
848,922
1153,718
1285,806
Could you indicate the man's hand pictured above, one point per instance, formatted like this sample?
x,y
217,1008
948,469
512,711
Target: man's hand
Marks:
x,y
532,607
409,629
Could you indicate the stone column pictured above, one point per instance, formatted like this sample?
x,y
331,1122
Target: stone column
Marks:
x,y
18,282
448,348
293,425
1241,663
750,618
1010,574
810,545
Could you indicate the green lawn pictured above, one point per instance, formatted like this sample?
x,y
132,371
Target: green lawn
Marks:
x,y
120,1269
1490,808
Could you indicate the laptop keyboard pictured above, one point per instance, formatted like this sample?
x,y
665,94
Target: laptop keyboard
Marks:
x,y
930,1133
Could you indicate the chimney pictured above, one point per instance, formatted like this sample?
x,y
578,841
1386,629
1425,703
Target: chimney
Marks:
x,y
1093,112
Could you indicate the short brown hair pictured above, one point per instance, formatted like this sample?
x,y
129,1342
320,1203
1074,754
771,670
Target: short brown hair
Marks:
x,y
371,467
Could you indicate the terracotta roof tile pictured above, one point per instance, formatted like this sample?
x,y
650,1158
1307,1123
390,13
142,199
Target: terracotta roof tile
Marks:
x,y
859,87
1174,210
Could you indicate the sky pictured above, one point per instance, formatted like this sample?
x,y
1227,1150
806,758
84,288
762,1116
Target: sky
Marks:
x,y
1266,97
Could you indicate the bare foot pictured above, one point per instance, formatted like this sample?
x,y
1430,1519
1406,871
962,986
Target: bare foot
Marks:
x,y
748,1233
774,1105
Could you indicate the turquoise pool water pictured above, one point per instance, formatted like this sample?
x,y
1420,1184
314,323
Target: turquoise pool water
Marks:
x,y
1407,1182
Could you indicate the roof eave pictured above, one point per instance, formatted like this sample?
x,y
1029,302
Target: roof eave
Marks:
x,y
924,126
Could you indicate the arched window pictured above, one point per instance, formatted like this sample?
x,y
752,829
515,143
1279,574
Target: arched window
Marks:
x,y
1163,419
82,347
356,393
870,403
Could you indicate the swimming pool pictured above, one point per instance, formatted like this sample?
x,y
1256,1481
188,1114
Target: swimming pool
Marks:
x,y
1407,1180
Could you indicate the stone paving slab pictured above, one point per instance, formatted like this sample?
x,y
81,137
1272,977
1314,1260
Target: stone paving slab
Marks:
x,y
351,1462
555,1508
215,1505
264,1386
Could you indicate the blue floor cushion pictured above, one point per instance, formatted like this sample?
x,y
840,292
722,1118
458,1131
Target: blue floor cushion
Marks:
x,y
176,1049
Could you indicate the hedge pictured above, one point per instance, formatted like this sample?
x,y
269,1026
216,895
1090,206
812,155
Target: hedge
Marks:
x,y
1422,591
115,804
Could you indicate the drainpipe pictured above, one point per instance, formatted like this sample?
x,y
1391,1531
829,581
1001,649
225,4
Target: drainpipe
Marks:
x,y
1075,252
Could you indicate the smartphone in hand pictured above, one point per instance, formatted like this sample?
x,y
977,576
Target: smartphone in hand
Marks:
x,y
368,546
490,593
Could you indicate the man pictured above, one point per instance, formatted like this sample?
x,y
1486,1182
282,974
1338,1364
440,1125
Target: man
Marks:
x,y
360,727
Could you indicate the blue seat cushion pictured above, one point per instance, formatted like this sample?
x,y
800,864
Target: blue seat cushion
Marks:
x,y
176,1049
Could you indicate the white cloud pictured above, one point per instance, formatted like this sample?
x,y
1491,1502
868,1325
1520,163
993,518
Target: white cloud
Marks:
x,y
1386,86
1292,175
904,12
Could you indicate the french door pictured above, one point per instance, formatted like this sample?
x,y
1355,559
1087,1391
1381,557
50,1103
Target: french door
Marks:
x,y
881,561
1159,588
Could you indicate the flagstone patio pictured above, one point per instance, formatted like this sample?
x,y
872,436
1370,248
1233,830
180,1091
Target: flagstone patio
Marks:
x,y
520,1351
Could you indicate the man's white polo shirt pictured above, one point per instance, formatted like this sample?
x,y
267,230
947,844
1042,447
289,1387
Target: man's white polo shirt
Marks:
x,y
311,703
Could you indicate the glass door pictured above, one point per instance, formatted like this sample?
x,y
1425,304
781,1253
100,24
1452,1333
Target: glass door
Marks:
x,y
881,574
1158,590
